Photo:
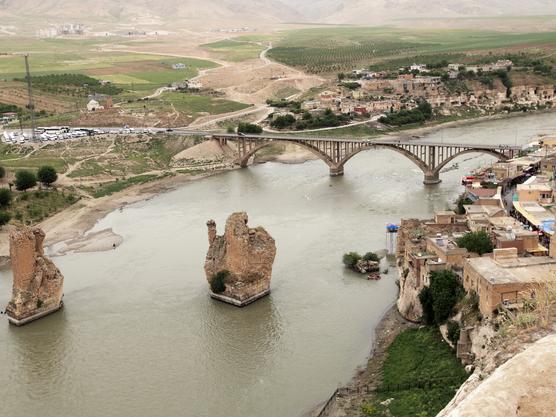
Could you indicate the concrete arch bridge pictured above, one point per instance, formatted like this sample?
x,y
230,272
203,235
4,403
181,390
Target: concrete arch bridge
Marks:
x,y
430,157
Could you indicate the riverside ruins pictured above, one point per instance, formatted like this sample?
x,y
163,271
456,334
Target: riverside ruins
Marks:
x,y
37,283
239,263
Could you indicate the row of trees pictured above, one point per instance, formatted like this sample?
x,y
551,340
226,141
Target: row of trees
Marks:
x,y
24,180
308,121
420,114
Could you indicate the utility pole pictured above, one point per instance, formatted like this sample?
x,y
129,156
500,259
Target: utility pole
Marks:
x,y
31,101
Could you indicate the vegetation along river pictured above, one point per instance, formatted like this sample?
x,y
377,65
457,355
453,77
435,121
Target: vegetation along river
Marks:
x,y
140,337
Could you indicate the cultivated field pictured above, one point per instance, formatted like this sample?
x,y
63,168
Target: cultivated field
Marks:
x,y
327,50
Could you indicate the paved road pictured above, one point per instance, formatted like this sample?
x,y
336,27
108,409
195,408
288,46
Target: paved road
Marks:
x,y
231,136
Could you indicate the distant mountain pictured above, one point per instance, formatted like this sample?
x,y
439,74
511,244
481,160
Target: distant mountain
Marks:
x,y
210,13
375,11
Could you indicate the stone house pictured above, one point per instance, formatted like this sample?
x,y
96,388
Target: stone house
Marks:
x,y
504,279
541,193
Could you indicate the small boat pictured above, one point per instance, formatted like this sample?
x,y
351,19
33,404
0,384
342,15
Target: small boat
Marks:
x,y
374,277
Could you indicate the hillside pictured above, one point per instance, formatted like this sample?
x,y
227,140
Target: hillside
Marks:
x,y
212,13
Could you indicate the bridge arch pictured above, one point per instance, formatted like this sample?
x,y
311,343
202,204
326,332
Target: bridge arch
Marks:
x,y
496,154
244,160
417,161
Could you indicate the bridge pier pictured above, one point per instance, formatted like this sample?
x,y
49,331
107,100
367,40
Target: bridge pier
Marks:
x,y
432,178
337,171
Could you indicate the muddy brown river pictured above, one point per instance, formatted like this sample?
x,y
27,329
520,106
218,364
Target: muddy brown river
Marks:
x,y
140,337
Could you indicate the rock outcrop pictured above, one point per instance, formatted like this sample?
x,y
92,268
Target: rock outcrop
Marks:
x,y
524,386
37,283
242,258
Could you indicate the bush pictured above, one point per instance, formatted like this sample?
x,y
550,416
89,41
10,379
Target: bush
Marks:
x,y
371,256
4,218
5,197
47,175
249,128
439,299
453,332
218,282
350,259
476,242
25,180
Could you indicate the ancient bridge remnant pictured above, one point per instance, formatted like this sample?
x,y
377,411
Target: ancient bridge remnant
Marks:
x,y
430,157
37,283
239,263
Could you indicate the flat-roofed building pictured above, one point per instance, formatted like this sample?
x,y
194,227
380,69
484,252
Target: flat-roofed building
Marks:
x,y
542,193
447,251
505,279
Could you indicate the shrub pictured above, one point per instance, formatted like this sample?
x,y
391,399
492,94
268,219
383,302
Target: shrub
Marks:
x,y
4,218
350,259
439,299
453,332
476,242
47,175
25,180
218,282
5,197
249,128
371,256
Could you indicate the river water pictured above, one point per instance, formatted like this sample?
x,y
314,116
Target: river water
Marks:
x,y
140,337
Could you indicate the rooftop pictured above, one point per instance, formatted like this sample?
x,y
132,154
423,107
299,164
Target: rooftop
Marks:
x,y
536,269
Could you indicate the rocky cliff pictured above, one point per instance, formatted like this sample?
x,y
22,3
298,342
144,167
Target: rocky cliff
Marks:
x,y
37,283
524,386
242,258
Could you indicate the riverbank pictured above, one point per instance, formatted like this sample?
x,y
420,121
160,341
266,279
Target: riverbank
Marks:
x,y
67,231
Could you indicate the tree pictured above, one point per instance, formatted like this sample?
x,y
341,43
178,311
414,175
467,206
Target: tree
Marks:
x,y
25,180
2,173
249,128
476,242
453,332
5,197
218,282
350,259
4,218
47,175
371,256
439,299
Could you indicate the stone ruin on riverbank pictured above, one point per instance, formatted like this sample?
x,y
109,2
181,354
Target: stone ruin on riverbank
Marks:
x,y
239,263
37,283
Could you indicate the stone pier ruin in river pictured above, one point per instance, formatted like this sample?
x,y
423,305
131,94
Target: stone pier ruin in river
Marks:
x,y
239,263
37,283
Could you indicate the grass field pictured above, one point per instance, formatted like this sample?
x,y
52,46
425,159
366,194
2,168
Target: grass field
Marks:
x,y
336,49
48,56
236,49
192,105
417,355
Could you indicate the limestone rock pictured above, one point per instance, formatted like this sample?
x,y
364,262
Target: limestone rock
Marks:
x,y
246,254
37,283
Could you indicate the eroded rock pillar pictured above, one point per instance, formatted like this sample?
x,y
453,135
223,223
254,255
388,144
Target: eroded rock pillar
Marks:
x,y
37,283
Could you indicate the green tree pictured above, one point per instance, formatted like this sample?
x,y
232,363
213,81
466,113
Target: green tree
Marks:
x,y
47,175
25,180
249,128
453,332
439,299
5,217
5,197
218,282
476,242
371,256
350,259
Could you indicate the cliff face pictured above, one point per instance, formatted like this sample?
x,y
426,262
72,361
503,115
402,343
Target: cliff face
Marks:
x,y
523,386
37,283
246,254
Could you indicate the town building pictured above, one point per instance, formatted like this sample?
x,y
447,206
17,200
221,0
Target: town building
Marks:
x,y
505,280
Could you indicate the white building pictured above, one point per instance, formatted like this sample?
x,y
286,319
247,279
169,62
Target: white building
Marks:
x,y
94,105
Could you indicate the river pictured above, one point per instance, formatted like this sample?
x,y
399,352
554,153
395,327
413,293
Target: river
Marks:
x,y
140,337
